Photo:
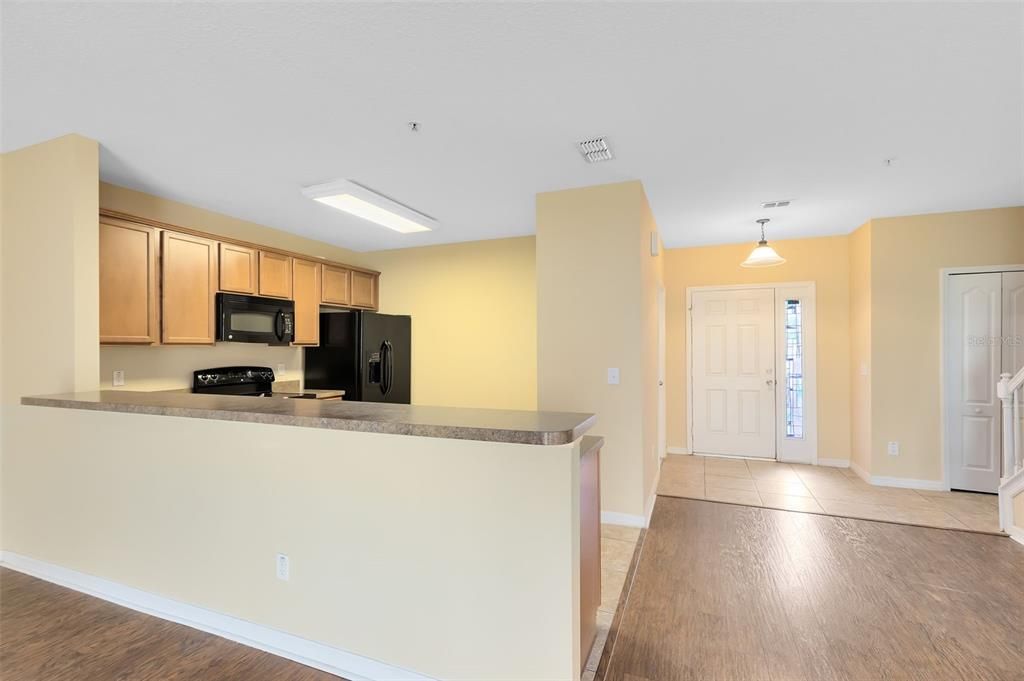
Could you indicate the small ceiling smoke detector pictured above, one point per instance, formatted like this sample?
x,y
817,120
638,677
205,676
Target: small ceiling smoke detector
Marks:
x,y
776,204
595,150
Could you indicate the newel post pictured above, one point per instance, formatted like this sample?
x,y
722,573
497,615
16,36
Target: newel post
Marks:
x,y
1003,392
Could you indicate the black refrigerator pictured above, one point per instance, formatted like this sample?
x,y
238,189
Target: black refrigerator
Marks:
x,y
366,354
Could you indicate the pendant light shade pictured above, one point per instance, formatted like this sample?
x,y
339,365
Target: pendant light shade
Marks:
x,y
764,255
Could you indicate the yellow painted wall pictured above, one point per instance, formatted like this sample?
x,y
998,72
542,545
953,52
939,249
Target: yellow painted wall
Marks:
x,y
153,207
590,317
400,547
652,277
474,320
49,280
474,309
860,347
826,262
51,267
907,254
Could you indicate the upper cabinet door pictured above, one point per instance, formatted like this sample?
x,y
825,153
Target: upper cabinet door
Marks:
x,y
189,288
364,289
237,269
337,285
128,283
275,275
306,291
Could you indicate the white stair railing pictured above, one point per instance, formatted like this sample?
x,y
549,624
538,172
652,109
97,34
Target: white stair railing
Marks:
x,y
1010,391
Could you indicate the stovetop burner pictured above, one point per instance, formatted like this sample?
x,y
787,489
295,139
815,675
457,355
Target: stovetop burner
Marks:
x,y
238,380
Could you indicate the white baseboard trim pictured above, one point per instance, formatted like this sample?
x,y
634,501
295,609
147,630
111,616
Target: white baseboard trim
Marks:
x,y
317,655
624,519
905,483
834,463
677,450
861,473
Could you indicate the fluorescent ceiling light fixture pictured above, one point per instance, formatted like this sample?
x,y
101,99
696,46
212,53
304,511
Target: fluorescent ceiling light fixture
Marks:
x,y
764,255
367,204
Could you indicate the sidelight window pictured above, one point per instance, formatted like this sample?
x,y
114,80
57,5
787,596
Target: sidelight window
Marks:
x,y
794,369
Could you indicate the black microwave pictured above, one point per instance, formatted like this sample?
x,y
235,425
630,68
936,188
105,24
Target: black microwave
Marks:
x,y
252,319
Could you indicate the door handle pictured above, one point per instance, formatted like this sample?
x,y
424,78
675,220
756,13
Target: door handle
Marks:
x,y
770,382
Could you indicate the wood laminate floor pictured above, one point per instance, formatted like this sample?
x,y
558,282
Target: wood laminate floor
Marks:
x,y
735,593
49,633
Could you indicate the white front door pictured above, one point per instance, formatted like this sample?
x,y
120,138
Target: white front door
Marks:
x,y
733,372
973,365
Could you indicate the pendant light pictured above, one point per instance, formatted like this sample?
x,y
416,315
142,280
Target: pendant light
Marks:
x,y
764,255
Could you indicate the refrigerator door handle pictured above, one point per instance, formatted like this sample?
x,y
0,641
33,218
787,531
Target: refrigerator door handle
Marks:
x,y
389,367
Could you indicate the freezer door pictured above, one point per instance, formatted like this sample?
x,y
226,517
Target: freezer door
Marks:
x,y
385,358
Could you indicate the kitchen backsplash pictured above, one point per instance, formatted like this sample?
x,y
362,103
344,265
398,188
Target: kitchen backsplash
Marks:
x,y
168,367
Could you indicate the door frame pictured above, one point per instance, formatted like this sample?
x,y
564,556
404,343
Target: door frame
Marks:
x,y
662,388
944,392
786,451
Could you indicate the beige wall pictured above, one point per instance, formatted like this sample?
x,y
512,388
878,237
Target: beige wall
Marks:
x,y
50,241
399,547
153,207
474,320
907,254
1018,510
590,317
860,348
474,310
170,367
651,279
825,261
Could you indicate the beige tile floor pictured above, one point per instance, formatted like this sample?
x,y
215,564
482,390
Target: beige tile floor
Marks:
x,y
819,489
617,545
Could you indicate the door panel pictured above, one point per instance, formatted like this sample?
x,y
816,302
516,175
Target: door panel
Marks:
x,y
1013,321
128,283
275,275
306,293
973,364
733,381
189,276
237,269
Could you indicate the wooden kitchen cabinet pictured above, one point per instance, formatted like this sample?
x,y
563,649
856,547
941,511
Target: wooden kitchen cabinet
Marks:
x,y
306,294
189,287
364,290
128,282
238,267
337,285
275,275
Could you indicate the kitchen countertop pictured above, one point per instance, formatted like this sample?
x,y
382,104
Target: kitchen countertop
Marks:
x,y
493,425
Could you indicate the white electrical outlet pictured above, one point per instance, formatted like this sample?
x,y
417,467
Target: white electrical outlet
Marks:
x,y
894,449
280,369
613,377
118,379
282,567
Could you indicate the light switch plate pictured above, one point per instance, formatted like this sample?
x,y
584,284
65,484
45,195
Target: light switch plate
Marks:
x,y
281,369
282,566
118,379
894,449
613,377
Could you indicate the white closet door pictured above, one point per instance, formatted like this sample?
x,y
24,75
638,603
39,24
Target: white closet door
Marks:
x,y
1013,321
733,335
972,369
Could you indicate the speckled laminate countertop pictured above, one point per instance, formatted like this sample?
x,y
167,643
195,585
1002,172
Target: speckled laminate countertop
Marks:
x,y
491,425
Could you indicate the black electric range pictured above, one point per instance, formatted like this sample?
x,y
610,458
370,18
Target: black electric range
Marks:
x,y
244,381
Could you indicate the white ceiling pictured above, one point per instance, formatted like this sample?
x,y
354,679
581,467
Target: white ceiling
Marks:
x,y
715,107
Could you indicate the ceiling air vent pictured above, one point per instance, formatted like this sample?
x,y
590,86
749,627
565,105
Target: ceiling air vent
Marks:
x,y
595,150
775,204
